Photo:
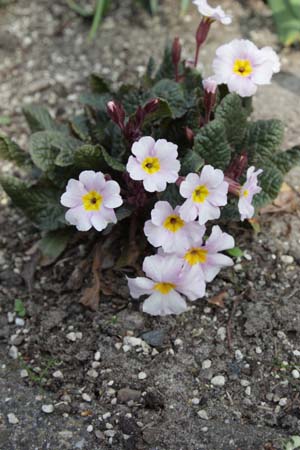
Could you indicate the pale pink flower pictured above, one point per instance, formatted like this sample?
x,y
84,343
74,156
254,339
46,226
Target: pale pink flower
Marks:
x,y
205,193
154,163
165,280
211,13
248,190
166,229
206,255
210,85
91,200
243,66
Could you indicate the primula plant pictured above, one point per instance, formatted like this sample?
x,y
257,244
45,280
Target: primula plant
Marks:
x,y
154,165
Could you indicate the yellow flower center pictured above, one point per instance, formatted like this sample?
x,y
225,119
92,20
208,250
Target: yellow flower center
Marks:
x,y
196,255
164,288
173,223
92,201
200,194
151,164
245,193
242,67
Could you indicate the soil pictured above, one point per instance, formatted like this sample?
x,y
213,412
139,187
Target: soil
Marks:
x,y
116,378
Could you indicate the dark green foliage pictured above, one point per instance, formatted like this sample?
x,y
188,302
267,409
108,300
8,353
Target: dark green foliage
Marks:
x,y
92,141
212,145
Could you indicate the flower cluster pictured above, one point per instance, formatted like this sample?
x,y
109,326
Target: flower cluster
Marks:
x,y
189,252
185,261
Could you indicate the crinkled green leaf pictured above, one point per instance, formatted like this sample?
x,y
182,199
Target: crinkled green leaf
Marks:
x,y
88,157
286,160
96,101
191,162
166,69
112,162
54,243
39,202
211,144
79,127
39,119
50,148
263,139
173,93
10,151
234,117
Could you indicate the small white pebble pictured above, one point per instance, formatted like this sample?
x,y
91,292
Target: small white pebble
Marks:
x,y
96,364
204,429
92,373
206,364
126,348
203,414
97,356
283,401
195,401
24,373
109,433
218,380
295,373
109,426
78,335
13,352
19,322
90,428
248,390
106,416
86,397
287,259
110,383
11,317
296,353
142,376
238,355
118,345
258,350
245,383
58,374
47,409
71,336
222,333
12,419
238,267
178,342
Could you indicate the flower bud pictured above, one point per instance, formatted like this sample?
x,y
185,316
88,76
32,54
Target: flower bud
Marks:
x,y
176,51
116,113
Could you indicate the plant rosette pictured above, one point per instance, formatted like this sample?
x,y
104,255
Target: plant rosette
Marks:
x,y
161,162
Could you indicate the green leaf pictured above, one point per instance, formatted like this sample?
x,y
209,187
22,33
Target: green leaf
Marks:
x,y
40,202
88,157
50,148
98,84
39,119
286,14
54,243
166,69
236,252
171,195
285,161
113,163
173,94
191,162
96,101
79,127
162,112
211,144
19,308
10,151
123,212
270,180
234,117
263,139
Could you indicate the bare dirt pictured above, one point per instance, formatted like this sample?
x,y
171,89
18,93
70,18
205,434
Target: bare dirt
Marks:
x,y
101,388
